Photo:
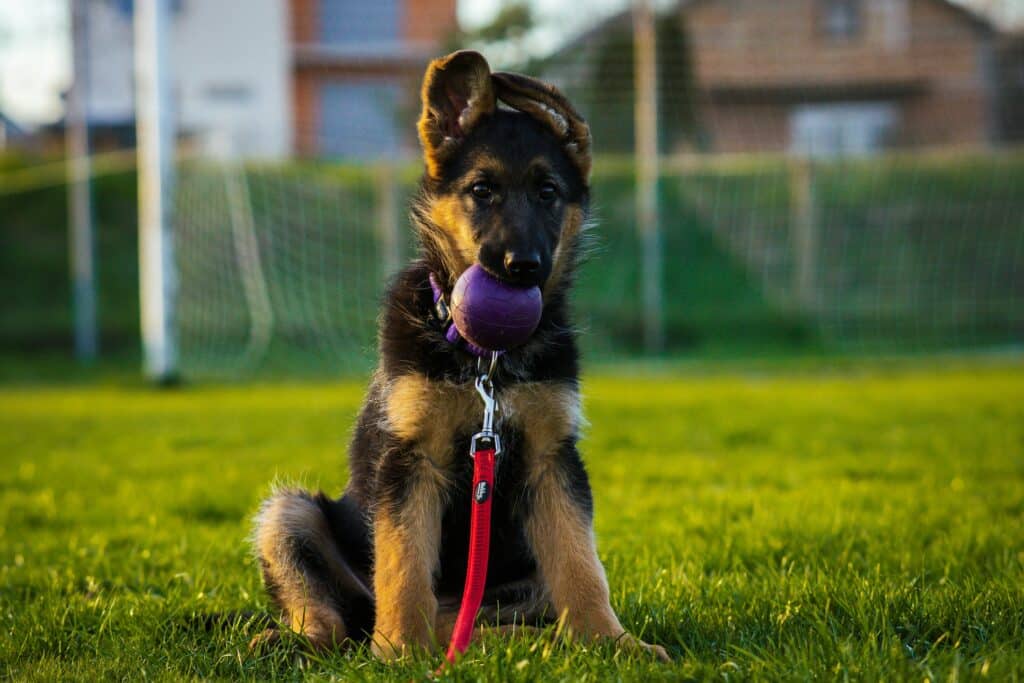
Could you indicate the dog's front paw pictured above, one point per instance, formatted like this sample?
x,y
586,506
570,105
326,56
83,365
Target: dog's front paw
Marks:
x,y
628,643
384,649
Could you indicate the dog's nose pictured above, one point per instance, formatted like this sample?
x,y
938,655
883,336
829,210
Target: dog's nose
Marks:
x,y
521,265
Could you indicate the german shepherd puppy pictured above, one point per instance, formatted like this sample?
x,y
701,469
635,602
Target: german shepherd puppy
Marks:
x,y
505,187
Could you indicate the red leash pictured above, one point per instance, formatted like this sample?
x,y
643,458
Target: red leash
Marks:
x,y
484,447
479,547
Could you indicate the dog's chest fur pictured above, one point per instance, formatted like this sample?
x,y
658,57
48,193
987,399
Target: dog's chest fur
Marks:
x,y
432,415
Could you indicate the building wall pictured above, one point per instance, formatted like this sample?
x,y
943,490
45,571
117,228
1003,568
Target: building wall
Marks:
x,y
756,60
751,42
304,100
958,63
230,71
320,68
736,128
111,62
233,75
428,22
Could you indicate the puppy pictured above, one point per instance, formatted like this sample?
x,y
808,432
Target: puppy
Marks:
x,y
506,186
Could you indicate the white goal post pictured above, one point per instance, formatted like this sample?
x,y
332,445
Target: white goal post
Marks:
x,y
155,135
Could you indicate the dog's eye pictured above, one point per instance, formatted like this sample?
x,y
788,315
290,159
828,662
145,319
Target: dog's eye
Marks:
x,y
548,192
482,191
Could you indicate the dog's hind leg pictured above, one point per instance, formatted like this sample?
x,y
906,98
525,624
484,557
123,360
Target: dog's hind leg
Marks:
x,y
312,553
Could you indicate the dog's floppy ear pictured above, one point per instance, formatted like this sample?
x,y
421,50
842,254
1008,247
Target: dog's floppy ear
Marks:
x,y
457,92
544,102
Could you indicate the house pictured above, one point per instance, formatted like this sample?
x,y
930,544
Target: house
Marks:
x,y
230,72
356,71
830,77
820,77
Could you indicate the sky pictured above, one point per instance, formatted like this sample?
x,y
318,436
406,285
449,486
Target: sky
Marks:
x,y
34,58
35,55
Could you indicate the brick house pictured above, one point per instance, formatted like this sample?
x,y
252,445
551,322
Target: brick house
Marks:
x,y
842,76
356,71
822,77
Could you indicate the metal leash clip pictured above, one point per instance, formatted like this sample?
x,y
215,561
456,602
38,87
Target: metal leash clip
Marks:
x,y
486,438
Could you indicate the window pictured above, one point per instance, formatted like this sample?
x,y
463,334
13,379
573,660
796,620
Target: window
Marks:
x,y
358,120
348,22
841,19
848,129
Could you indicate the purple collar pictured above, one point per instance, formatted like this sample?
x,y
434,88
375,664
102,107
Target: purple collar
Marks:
x,y
451,333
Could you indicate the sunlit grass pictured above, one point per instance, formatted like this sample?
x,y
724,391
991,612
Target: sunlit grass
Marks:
x,y
867,523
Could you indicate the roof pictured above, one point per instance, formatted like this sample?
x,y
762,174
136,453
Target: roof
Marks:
x,y
974,16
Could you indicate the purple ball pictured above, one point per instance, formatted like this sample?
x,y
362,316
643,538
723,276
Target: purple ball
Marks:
x,y
492,314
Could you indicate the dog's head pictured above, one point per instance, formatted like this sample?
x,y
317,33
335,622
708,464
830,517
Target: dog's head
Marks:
x,y
505,187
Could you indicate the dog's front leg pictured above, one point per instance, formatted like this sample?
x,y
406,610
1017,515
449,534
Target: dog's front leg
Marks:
x,y
560,531
407,536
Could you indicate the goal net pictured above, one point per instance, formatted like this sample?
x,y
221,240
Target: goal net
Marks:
x,y
282,269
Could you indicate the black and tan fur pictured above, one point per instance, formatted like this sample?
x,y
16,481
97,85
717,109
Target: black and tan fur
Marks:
x,y
506,185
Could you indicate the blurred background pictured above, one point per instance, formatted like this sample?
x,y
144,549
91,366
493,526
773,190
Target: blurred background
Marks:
x,y
785,179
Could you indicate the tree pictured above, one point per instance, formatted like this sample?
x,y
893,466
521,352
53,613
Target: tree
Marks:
x,y
503,40
610,93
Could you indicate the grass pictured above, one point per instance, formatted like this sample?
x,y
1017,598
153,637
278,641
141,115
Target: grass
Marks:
x,y
866,523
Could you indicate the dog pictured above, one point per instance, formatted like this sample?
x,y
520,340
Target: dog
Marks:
x,y
505,186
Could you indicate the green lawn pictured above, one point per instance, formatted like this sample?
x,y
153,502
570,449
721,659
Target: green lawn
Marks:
x,y
865,523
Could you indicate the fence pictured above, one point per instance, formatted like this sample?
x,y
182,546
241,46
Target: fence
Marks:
x,y
282,267
285,266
